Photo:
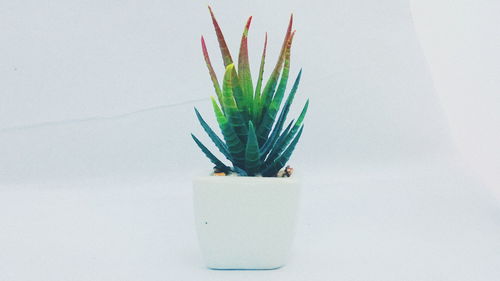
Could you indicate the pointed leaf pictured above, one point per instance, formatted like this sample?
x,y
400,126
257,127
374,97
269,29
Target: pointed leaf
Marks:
x,y
241,101
211,71
252,156
280,162
226,56
271,141
218,164
234,115
245,77
213,136
270,113
256,101
267,94
234,145
216,108
281,144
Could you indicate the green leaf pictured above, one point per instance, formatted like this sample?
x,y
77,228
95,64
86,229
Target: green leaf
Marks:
x,y
286,108
268,92
256,101
281,144
245,77
226,56
234,115
211,71
218,164
217,110
252,155
272,110
278,163
273,139
235,146
239,97
239,171
213,136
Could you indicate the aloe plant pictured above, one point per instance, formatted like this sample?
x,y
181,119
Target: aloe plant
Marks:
x,y
255,138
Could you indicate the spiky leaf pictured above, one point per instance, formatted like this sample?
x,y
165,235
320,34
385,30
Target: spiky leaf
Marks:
x,y
280,145
218,164
255,109
270,113
235,146
245,77
211,71
252,155
278,163
270,142
226,55
235,116
273,139
213,136
242,103
268,91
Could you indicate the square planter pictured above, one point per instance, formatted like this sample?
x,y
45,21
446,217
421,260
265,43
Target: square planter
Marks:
x,y
245,222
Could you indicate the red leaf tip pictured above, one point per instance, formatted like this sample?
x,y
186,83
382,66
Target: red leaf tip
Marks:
x,y
211,12
247,26
248,22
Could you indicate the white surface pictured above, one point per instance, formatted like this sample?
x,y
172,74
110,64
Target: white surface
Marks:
x,y
245,222
416,226
93,198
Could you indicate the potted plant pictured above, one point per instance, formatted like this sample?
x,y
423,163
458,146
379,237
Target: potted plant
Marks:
x,y
245,213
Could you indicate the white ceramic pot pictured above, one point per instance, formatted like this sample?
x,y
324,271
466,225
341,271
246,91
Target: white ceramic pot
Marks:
x,y
245,222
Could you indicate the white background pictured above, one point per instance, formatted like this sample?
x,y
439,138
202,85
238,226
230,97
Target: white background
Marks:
x,y
461,42
96,158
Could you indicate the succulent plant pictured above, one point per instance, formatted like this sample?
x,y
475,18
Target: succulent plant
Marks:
x,y
256,140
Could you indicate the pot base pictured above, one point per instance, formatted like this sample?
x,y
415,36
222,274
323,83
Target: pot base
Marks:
x,y
264,268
